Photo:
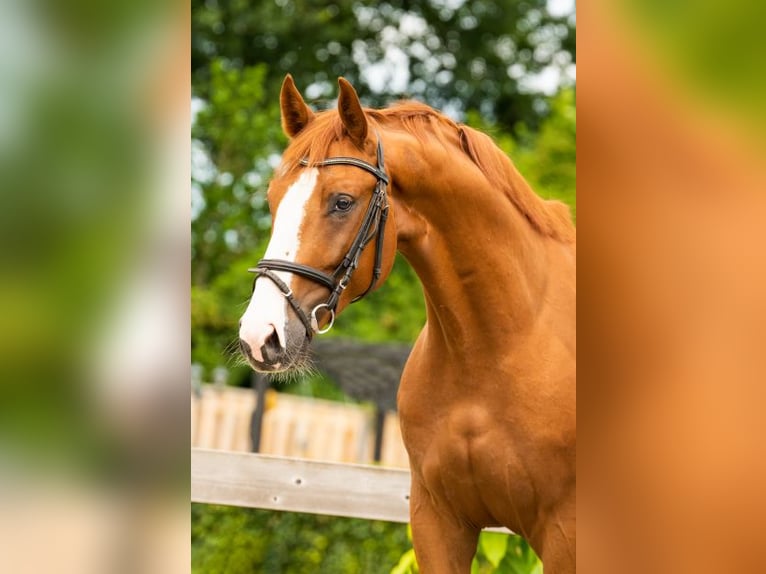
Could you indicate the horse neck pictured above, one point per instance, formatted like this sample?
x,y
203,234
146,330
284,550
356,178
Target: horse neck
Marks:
x,y
482,266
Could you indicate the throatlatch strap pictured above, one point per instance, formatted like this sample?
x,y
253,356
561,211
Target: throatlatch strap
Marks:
x,y
377,268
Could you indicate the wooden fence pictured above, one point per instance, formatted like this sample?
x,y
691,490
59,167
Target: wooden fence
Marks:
x,y
293,426
298,485
295,485
284,476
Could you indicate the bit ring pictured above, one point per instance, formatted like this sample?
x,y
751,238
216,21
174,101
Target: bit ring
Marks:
x,y
315,322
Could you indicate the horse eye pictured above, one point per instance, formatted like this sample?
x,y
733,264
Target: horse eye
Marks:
x,y
343,203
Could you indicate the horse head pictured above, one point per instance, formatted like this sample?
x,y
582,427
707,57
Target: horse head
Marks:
x,y
332,238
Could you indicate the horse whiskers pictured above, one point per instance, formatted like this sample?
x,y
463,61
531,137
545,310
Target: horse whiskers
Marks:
x,y
300,362
234,357
232,347
301,365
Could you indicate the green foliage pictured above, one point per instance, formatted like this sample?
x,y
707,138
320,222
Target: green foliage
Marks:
x,y
493,546
407,564
496,553
238,119
245,541
215,311
469,55
504,554
235,133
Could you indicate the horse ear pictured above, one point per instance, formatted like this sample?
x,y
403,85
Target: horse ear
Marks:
x,y
296,115
351,113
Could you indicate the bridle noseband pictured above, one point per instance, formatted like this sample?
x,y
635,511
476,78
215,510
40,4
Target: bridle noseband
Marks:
x,y
373,226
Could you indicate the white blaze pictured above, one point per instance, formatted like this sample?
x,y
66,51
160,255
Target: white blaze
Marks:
x,y
268,308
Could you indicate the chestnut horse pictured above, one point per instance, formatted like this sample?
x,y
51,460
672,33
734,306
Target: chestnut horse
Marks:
x,y
487,400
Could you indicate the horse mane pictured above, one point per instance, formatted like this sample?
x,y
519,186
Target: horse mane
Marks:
x,y
549,217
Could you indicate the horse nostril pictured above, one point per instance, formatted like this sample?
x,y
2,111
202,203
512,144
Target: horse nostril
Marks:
x,y
271,349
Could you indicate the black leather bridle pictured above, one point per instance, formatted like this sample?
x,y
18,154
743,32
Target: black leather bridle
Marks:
x,y
373,226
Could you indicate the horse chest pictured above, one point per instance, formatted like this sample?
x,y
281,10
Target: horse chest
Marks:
x,y
465,448
465,463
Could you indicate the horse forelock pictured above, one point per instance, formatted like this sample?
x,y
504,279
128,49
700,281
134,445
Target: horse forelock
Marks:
x,y
314,141
550,218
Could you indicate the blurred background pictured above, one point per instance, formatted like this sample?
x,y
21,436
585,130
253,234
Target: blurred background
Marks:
x,y
505,67
94,266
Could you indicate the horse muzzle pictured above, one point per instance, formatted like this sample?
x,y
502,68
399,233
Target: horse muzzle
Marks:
x,y
271,338
266,352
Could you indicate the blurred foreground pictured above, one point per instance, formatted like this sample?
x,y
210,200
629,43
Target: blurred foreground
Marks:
x,y
672,191
94,152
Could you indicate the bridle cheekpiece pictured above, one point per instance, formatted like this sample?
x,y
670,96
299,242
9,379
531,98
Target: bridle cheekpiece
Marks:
x,y
373,226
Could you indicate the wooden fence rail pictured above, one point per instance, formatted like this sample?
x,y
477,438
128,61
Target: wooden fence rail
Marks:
x,y
298,485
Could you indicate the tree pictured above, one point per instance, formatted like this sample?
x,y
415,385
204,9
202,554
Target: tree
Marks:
x,y
454,55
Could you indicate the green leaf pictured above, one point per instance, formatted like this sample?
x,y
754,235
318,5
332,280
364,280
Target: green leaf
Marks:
x,y
407,564
493,545
519,558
